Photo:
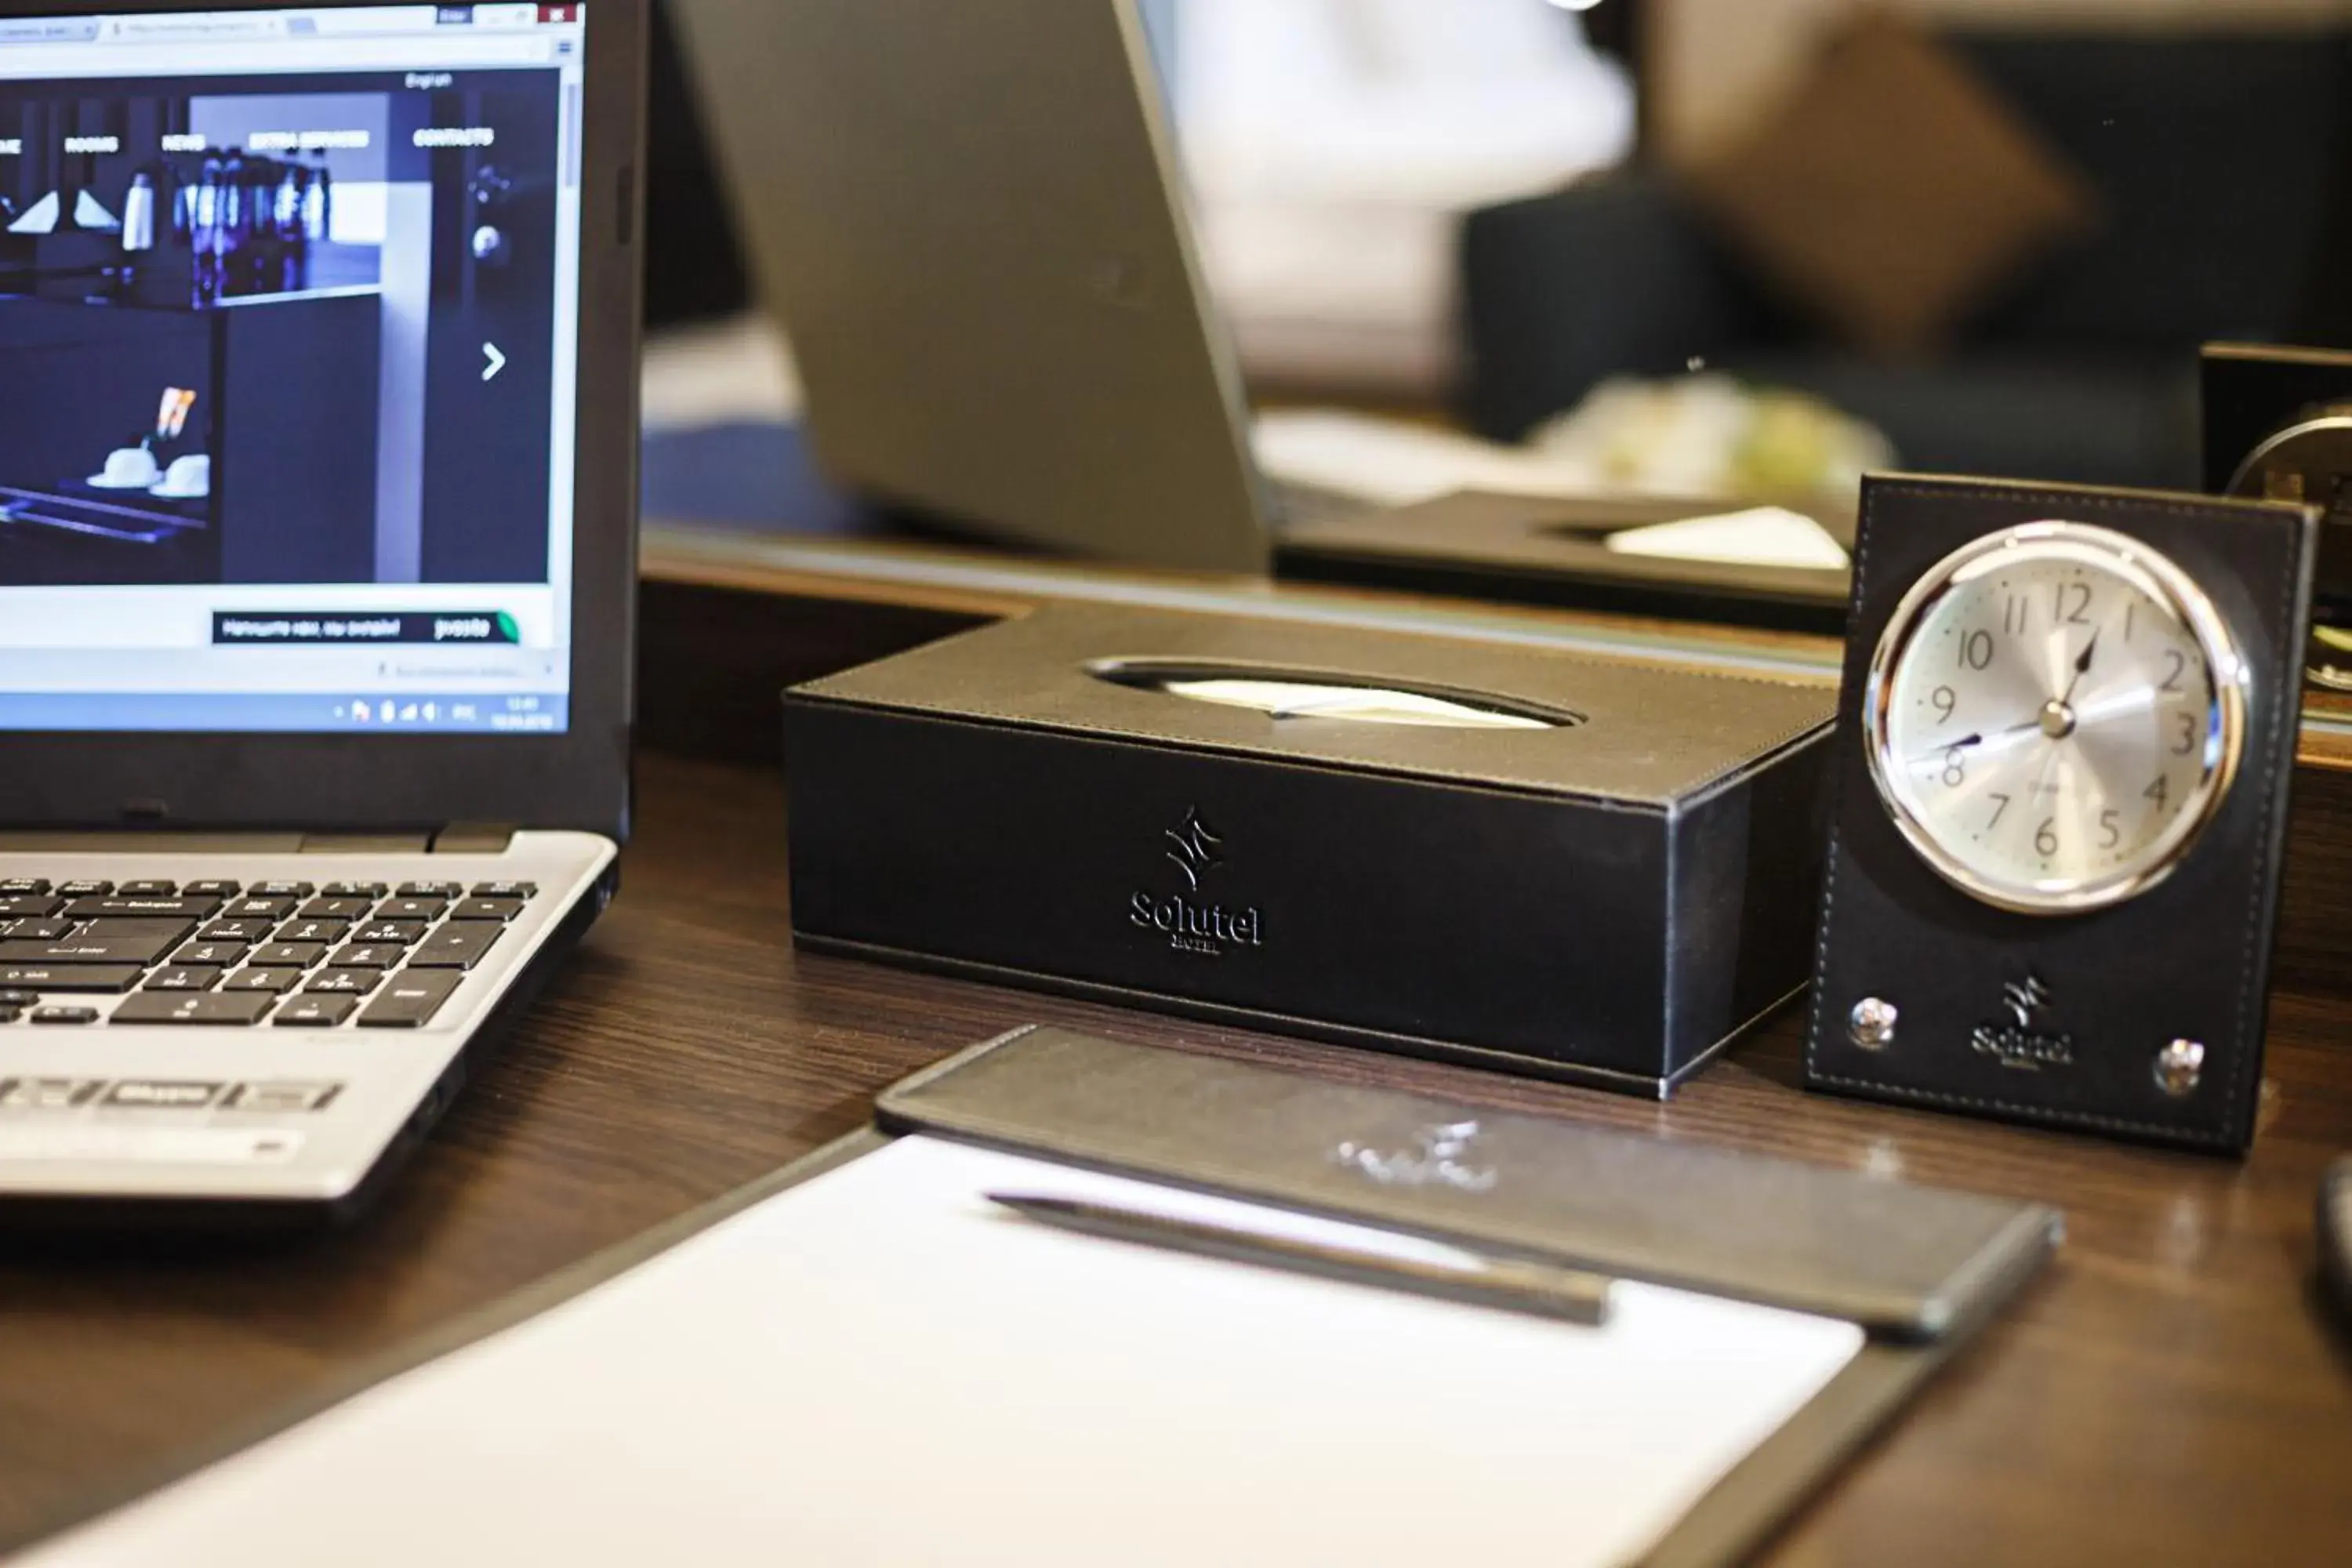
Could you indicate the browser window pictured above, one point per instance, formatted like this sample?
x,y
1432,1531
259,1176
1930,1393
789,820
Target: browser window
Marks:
x,y
288,333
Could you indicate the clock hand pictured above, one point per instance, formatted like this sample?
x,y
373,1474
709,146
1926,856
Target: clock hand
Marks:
x,y
2082,666
2002,739
1981,744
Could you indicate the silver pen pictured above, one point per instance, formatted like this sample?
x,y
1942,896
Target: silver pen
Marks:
x,y
1544,1289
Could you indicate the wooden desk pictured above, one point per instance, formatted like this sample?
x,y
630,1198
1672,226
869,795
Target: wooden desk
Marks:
x,y
2165,1394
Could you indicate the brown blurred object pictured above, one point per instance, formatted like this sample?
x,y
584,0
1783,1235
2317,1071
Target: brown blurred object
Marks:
x,y
2218,140
1893,190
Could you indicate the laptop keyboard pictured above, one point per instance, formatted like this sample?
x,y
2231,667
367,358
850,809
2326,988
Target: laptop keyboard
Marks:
x,y
291,955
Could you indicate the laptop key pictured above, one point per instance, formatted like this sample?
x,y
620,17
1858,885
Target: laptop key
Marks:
x,y
260,907
148,889
148,1094
14,886
18,998
235,930
338,909
10,1015
453,946
65,1016
89,949
215,888
183,977
313,930
410,998
280,891
432,889
255,978
39,930
311,1011
353,890
121,906
33,906
70,977
48,1093
199,1007
486,909
290,954
85,890
343,982
366,956
226,955
400,934
409,909
506,890
284,1099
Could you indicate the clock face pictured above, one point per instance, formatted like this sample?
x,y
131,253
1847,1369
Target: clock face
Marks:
x,y
2053,713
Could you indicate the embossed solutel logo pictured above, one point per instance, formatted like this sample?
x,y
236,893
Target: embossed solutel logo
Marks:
x,y
1191,922
1438,1158
1192,849
2019,1044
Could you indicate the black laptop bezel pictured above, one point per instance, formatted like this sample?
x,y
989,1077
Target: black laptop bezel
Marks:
x,y
386,783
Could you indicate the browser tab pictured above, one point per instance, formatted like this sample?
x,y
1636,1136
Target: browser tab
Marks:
x,y
49,30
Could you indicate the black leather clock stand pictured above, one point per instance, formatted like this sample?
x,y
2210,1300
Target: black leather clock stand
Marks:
x,y
2067,1019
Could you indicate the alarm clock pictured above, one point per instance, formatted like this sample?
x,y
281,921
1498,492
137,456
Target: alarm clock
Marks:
x,y
2278,426
2066,730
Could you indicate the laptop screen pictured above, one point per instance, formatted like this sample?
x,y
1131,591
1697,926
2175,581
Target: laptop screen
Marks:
x,y
289,323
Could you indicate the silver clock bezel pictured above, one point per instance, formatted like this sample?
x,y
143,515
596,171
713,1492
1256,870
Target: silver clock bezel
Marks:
x,y
2228,685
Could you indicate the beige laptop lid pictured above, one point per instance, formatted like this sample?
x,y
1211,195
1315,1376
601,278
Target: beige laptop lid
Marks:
x,y
970,218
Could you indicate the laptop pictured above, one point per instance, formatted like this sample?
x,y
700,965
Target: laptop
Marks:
x,y
317,567
972,222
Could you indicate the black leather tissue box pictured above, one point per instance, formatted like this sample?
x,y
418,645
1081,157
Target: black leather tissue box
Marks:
x,y
1489,853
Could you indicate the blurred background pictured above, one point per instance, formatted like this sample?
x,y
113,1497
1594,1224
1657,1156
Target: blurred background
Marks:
x,y
1730,243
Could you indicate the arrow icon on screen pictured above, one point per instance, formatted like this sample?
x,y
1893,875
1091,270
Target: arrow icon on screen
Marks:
x,y
497,362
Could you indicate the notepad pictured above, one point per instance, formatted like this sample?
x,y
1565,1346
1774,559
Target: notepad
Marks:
x,y
878,1367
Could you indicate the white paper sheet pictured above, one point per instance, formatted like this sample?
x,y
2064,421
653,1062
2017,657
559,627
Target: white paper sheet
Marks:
x,y
1759,536
879,1367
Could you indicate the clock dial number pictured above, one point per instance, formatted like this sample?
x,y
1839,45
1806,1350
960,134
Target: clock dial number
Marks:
x,y
2079,666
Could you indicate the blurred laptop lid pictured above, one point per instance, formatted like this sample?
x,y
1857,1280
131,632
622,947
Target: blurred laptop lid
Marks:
x,y
971,221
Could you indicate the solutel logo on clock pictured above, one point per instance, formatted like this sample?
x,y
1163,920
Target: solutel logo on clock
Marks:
x,y
2018,1043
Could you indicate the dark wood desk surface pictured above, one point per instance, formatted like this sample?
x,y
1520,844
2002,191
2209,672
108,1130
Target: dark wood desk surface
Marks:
x,y
2165,1394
